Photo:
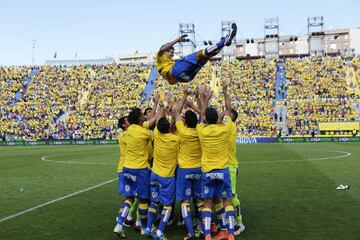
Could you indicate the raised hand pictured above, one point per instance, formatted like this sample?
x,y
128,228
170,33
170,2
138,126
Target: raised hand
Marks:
x,y
201,89
156,98
208,94
186,92
224,84
183,38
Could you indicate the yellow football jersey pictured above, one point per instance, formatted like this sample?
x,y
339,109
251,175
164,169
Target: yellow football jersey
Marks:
x,y
151,147
146,125
165,153
122,145
190,149
232,144
137,147
214,145
164,66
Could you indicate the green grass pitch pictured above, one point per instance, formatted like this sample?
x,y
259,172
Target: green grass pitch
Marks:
x,y
287,191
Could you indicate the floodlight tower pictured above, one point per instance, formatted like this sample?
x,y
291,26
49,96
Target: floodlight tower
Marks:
x,y
228,53
33,42
186,48
316,35
271,37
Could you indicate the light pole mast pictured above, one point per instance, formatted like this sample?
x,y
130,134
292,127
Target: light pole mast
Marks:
x,y
33,41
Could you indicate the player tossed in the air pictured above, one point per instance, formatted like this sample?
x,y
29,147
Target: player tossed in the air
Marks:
x,y
185,69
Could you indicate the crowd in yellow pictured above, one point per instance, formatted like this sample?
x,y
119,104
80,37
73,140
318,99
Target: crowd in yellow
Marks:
x,y
95,97
113,91
11,82
317,91
251,88
356,82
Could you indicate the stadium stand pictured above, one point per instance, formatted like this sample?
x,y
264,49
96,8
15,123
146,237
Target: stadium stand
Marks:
x,y
11,82
85,101
316,92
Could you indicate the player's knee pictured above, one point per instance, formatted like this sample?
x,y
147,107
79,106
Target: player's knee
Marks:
x,y
143,201
217,200
130,199
228,202
207,203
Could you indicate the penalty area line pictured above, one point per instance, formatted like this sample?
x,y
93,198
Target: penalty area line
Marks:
x,y
55,200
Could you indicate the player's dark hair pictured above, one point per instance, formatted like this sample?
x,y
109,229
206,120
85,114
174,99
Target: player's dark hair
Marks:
x,y
134,116
234,115
121,122
147,109
211,115
163,125
191,119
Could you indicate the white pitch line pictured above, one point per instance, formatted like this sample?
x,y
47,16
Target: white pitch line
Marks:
x,y
44,158
54,201
345,154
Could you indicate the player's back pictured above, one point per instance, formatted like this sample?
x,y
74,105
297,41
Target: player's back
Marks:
x,y
165,153
189,149
214,145
137,147
122,146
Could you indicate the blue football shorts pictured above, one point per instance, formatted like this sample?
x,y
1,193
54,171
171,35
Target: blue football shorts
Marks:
x,y
136,183
188,183
216,183
162,189
185,69
121,183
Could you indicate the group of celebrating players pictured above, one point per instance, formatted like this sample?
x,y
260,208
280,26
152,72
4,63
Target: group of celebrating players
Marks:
x,y
194,156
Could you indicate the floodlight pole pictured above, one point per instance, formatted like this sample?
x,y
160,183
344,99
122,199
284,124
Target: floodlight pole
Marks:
x,y
189,29
33,41
316,24
271,35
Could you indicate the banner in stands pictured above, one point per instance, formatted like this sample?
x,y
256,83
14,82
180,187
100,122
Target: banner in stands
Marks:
x,y
317,139
238,140
255,140
58,142
339,126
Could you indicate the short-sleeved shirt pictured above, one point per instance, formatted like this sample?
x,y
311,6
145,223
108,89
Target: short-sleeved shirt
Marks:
x,y
146,125
190,149
164,66
232,144
165,153
137,151
214,144
122,145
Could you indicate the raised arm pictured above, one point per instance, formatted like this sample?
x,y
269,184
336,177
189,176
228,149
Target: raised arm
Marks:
x,y
160,113
204,97
156,102
197,99
180,105
227,99
193,107
168,45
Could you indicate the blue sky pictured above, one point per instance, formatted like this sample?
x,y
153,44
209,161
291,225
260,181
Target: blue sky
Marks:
x,y
100,28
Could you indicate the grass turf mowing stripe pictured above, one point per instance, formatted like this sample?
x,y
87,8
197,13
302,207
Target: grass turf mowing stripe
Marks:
x,y
55,200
